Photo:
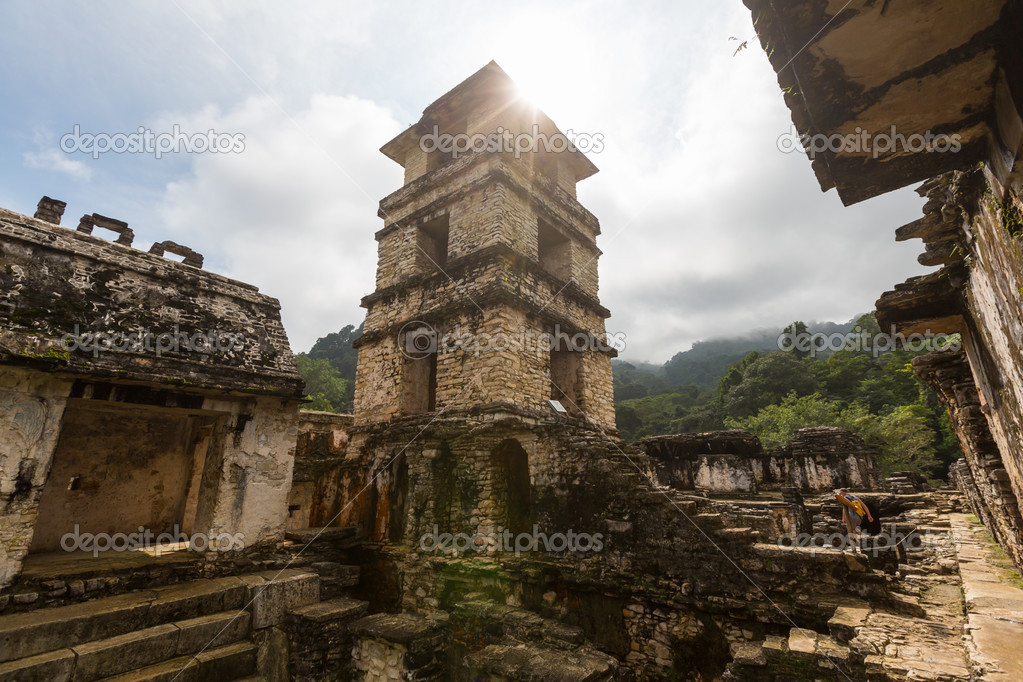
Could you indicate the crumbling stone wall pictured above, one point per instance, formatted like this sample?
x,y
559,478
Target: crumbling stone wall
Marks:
x,y
661,594
55,280
814,460
31,408
975,294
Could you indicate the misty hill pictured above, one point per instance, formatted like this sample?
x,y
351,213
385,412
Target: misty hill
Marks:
x,y
705,363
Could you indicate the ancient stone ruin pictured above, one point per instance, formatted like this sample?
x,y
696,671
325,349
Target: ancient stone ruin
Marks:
x,y
198,430
477,517
963,79
816,460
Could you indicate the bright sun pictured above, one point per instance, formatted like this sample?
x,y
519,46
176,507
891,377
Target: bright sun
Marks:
x,y
548,76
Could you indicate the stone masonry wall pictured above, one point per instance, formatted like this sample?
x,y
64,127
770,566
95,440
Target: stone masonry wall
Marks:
x,y
814,460
981,476
661,592
975,236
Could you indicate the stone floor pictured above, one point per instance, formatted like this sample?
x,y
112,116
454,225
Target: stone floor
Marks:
x,y
962,610
993,591
956,613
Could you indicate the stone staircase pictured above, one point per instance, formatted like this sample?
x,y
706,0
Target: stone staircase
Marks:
x,y
199,630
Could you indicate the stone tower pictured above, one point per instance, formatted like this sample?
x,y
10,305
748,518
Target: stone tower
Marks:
x,y
483,258
485,309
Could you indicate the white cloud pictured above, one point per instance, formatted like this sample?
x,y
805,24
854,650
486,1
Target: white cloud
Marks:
x,y
707,228
56,160
295,212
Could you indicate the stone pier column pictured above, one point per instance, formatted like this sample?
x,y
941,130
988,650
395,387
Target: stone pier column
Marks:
x,y
31,411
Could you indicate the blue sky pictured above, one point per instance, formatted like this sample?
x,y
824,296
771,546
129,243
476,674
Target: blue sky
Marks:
x,y
708,229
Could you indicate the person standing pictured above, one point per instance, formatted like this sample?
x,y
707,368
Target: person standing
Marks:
x,y
853,511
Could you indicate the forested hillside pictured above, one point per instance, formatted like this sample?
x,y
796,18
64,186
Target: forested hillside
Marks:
x,y
773,393
329,371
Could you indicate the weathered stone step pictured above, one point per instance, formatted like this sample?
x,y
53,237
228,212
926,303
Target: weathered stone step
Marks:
x,y
53,665
340,609
310,626
272,593
846,622
136,650
125,652
130,651
735,533
36,632
708,521
233,662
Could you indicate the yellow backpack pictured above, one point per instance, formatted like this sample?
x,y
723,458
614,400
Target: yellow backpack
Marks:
x,y
859,507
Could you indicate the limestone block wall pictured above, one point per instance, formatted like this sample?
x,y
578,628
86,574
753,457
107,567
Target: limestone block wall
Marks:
x,y
596,399
488,275
464,479
498,355
823,458
378,378
488,199
399,647
723,473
